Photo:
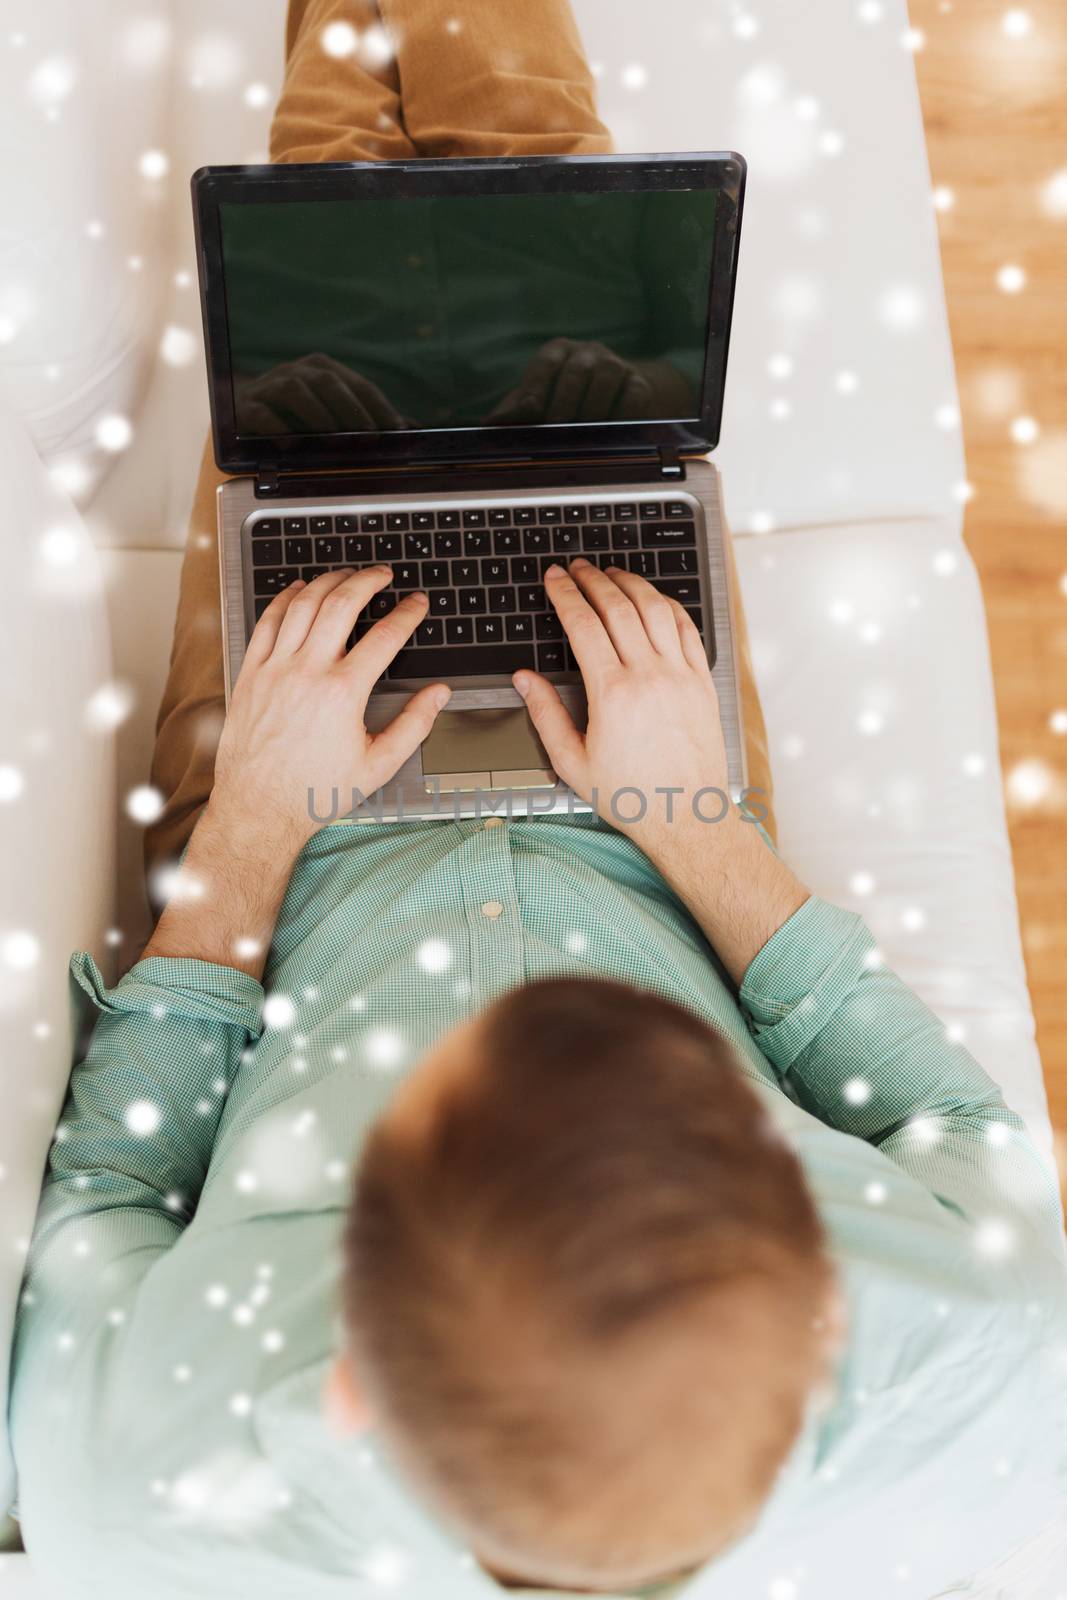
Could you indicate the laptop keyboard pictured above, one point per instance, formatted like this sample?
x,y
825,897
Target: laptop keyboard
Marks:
x,y
482,570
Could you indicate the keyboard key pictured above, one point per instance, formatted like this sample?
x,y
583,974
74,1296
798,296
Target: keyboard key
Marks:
x,y
604,558
697,617
502,600
536,540
397,521
262,604
448,519
567,541
372,522
406,575
524,569
549,626
544,562
519,627
418,546
309,574
500,517
651,510
298,551
678,508
422,520
465,574
506,541
489,630
430,632
669,533
346,524
459,630
322,524
446,544
471,600
267,528
493,660
435,574
268,552
382,604
442,602
473,518
476,544
532,598
388,547
328,550
549,514
296,525
358,547
600,513
685,590
625,536
494,570
523,516
624,511
551,658
274,581
595,536
640,561
674,562
574,513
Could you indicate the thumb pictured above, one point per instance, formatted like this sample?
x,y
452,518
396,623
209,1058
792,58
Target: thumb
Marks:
x,y
565,745
392,747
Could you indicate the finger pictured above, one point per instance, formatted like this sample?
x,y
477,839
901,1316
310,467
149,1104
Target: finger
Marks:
x,y
616,611
338,612
370,657
540,375
298,619
257,417
299,401
653,608
572,380
348,412
608,377
265,632
380,407
636,402
555,727
689,638
392,747
592,647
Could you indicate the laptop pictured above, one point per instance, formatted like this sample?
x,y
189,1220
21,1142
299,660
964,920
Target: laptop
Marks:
x,y
469,369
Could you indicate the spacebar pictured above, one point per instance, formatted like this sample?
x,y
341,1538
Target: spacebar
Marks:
x,y
462,662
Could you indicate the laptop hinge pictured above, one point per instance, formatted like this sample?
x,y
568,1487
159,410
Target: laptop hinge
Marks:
x,y
670,463
267,484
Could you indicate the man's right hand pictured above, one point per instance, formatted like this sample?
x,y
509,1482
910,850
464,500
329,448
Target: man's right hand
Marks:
x,y
652,743
314,395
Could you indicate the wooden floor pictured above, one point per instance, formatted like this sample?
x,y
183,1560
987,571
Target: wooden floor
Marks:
x,y
992,83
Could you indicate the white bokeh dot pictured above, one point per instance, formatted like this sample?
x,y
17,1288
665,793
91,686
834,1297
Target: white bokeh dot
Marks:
x,y
143,1118
178,347
12,783
857,1091
278,1011
19,950
875,1194
1024,430
144,804
339,39
634,75
434,956
257,95
154,164
1016,23
113,432
1011,279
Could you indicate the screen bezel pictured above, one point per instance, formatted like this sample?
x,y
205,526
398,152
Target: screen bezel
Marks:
x,y
721,171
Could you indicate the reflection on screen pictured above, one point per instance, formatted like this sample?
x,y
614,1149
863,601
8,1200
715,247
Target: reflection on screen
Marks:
x,y
470,311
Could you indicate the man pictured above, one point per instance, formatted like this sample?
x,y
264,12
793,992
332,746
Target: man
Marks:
x,y
684,1247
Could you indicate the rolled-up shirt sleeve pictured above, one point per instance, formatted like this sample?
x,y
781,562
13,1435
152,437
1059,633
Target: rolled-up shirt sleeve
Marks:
x,y
860,1051
135,1136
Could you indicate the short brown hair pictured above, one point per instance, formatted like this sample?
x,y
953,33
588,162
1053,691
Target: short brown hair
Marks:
x,y
585,1299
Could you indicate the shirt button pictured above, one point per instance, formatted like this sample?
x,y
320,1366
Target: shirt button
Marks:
x,y
494,822
492,908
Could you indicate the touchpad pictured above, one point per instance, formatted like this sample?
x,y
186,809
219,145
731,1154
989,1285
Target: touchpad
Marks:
x,y
486,739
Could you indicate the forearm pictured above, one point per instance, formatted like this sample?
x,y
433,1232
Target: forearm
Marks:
x,y
734,886
227,895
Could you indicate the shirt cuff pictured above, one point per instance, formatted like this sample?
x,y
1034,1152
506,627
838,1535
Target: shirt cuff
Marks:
x,y
802,977
176,987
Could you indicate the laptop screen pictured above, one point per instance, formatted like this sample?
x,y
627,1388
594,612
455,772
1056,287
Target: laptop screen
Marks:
x,y
467,311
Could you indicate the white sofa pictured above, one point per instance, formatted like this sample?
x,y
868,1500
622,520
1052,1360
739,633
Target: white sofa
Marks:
x,y
841,455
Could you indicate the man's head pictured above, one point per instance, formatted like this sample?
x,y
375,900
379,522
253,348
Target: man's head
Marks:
x,y
585,1290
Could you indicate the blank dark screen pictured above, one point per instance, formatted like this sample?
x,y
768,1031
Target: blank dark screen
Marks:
x,y
467,311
